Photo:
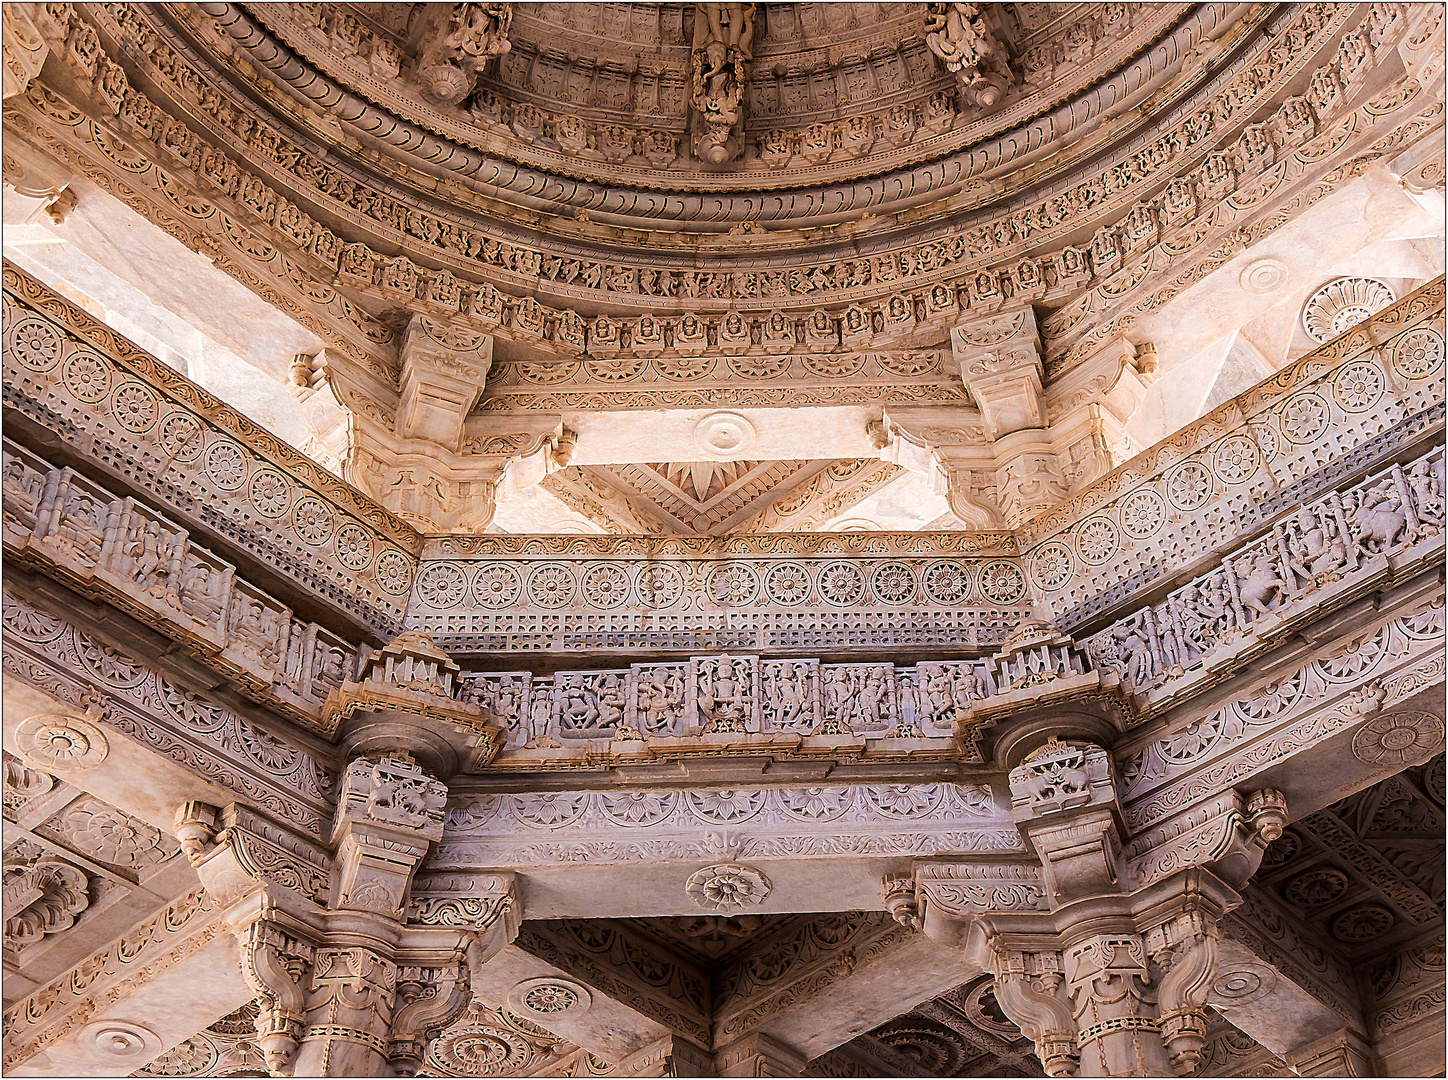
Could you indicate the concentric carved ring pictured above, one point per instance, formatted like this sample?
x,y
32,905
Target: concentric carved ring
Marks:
x,y
60,742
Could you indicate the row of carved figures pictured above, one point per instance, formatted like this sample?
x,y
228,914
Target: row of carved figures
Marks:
x,y
742,695
1320,544
154,567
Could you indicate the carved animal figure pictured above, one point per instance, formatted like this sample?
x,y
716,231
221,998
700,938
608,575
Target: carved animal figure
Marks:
x,y
1379,522
1262,590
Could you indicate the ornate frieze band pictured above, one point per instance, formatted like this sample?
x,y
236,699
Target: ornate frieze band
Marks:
x,y
200,459
705,824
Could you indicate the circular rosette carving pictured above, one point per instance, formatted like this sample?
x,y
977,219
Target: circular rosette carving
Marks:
x,y
1142,514
1194,740
354,547
1189,485
393,573
112,667
1263,276
1052,566
312,521
182,437
638,807
946,581
1305,417
134,406
547,998
904,800
1398,738
1418,353
1002,583
727,806
1243,984
893,583
659,585
1315,887
727,887
478,1050
192,1057
816,803
605,585
87,376
619,369
1236,459
786,584
271,495
120,1041
1096,540
442,585
1341,304
723,436
841,583
936,1049
226,465
1362,923
497,586
1358,386
551,585
733,585
549,809
35,344
59,742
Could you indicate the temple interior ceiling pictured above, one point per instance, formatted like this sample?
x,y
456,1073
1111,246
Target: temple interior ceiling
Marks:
x,y
791,539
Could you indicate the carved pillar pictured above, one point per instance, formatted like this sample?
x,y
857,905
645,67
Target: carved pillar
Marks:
x,y
1104,955
354,974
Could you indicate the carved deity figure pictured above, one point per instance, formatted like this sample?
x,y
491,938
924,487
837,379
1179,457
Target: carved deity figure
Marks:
x,y
1379,521
579,705
660,699
724,696
453,44
1427,488
1261,587
202,590
1317,551
959,36
23,488
784,691
81,527
723,48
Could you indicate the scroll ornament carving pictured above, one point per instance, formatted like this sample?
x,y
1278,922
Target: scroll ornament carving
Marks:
x,y
277,965
428,1000
1186,948
1030,989
42,896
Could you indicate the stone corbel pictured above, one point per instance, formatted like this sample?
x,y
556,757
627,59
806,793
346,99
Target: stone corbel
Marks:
x,y
1000,364
407,696
1063,799
237,853
1226,835
758,1055
1029,988
1186,948
429,999
277,954
444,370
950,446
453,43
486,909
